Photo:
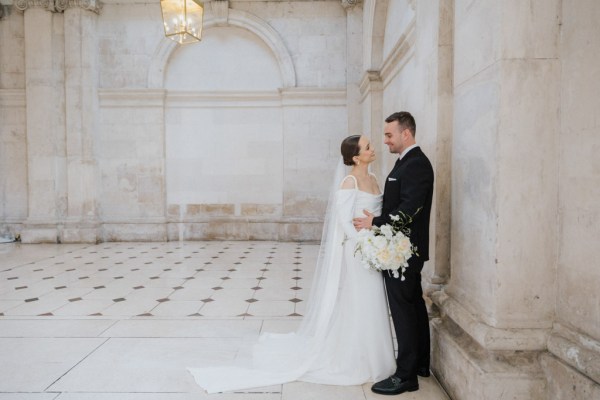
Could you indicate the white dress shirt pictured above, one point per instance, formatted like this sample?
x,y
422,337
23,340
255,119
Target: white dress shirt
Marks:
x,y
406,150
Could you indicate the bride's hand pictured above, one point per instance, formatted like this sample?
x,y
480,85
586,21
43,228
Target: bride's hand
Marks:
x,y
363,223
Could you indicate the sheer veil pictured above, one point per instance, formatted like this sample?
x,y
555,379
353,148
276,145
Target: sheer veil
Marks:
x,y
323,294
282,358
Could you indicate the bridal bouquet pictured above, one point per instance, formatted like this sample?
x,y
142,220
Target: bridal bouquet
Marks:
x,y
387,247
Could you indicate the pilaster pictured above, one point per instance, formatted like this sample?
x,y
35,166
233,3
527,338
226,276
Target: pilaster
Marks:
x,y
371,100
498,308
61,85
354,45
44,91
81,110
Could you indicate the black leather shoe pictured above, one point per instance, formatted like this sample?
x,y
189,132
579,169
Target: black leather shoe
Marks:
x,y
424,372
394,385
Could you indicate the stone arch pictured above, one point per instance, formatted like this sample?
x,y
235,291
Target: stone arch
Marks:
x,y
236,18
374,32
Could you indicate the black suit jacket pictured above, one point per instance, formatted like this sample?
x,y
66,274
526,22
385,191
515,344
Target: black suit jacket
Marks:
x,y
408,188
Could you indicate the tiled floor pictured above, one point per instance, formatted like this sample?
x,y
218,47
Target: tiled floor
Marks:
x,y
124,320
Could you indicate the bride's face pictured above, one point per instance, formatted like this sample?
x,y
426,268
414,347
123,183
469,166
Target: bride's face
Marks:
x,y
366,154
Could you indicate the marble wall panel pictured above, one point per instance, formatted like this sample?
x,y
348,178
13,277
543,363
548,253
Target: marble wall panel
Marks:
x,y
13,156
474,53
579,169
474,193
12,52
526,193
131,163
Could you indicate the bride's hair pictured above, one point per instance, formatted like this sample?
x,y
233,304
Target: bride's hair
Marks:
x,y
350,148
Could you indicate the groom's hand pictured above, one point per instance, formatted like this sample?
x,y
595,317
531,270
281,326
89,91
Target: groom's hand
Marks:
x,y
363,223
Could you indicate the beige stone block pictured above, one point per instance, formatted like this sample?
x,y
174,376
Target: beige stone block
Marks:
x,y
531,29
80,235
174,232
252,210
579,169
193,211
577,273
298,204
190,230
469,372
263,231
134,232
524,252
217,230
489,337
565,382
39,235
223,230
173,212
300,231
577,350
474,53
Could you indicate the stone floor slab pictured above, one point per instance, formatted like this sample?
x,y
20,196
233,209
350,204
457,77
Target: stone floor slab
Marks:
x,y
115,322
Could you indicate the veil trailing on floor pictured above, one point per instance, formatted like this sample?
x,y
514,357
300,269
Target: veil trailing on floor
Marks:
x,y
282,358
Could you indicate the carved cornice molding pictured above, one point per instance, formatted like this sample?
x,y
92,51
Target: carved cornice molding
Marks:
x,y
22,5
90,5
59,5
289,97
348,4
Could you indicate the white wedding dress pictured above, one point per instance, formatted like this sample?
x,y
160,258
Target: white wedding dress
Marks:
x,y
345,336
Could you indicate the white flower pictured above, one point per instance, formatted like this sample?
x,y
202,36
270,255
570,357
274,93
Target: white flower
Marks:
x,y
385,248
386,230
394,217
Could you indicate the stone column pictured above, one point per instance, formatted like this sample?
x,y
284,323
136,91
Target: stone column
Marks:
x,y
44,92
443,145
81,110
498,307
354,14
371,92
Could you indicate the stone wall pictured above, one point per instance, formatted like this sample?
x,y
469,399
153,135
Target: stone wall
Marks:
x,y
127,136
13,135
519,314
572,366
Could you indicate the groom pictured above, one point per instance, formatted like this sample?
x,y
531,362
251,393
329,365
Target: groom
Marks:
x,y
408,189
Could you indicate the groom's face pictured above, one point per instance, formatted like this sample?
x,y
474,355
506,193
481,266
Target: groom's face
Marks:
x,y
394,137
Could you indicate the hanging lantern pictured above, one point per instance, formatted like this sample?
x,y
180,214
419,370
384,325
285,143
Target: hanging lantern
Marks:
x,y
182,20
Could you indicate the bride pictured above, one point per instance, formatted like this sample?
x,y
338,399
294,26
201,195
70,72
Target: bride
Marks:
x,y
345,336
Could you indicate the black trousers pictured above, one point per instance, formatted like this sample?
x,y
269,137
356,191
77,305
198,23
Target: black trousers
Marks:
x,y
411,322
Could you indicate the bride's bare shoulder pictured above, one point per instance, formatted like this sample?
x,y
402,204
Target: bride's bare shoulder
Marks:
x,y
349,182
374,181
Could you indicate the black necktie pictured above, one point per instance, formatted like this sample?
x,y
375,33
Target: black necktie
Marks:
x,y
397,164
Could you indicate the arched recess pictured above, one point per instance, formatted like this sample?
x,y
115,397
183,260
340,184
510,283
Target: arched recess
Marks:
x,y
374,32
236,18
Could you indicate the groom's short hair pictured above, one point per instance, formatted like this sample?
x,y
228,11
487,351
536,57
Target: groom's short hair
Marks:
x,y
405,121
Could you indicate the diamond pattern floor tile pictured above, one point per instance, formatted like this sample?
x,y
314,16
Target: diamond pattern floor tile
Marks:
x,y
124,320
